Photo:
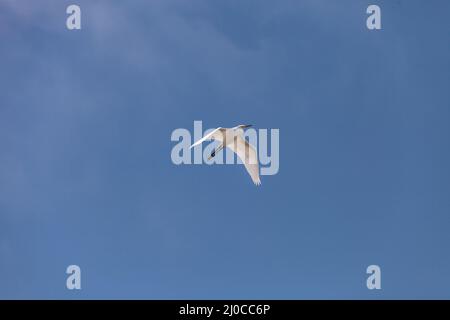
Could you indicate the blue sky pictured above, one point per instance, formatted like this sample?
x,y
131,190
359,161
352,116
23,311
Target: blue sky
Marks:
x,y
86,176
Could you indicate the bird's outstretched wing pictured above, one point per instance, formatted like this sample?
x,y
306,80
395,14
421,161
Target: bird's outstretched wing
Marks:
x,y
248,156
216,134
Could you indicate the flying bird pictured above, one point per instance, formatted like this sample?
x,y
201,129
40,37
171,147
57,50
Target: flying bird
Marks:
x,y
233,138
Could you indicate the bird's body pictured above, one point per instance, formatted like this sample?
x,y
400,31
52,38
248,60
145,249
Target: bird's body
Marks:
x,y
233,138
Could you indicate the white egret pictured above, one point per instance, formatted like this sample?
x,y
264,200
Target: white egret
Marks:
x,y
233,138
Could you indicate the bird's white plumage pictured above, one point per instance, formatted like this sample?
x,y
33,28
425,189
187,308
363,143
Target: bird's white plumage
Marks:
x,y
247,153
233,138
